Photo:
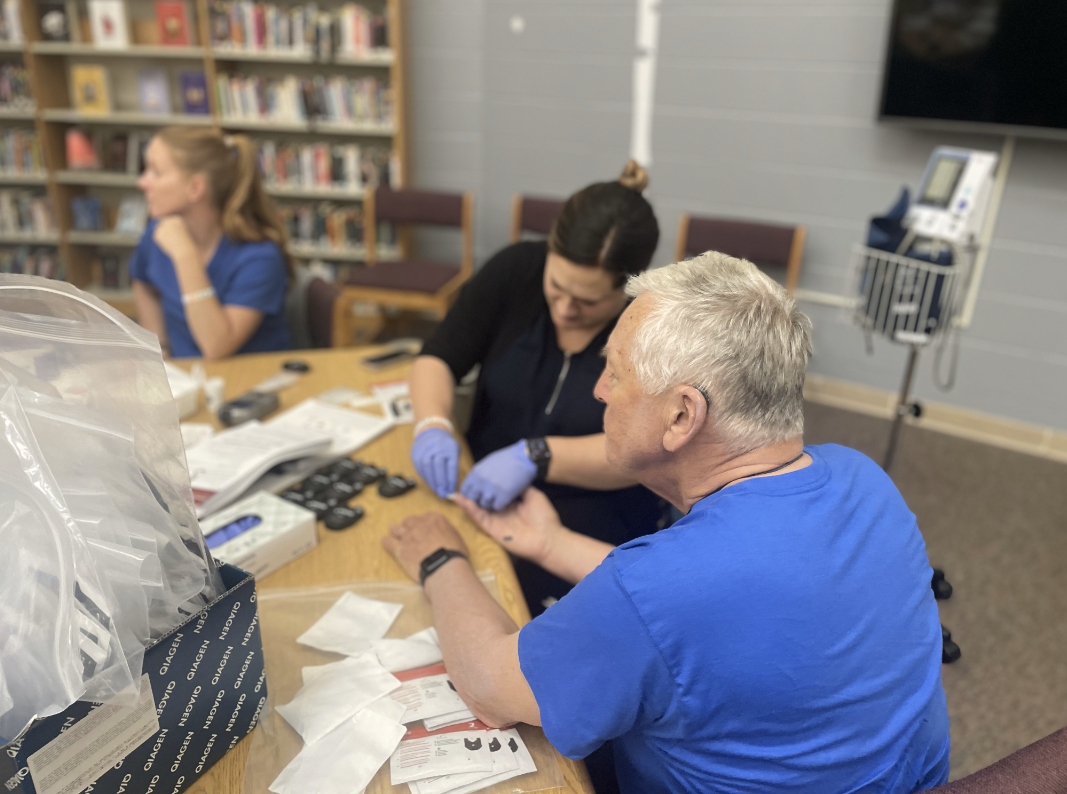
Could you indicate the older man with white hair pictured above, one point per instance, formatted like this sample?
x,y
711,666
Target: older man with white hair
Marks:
x,y
781,636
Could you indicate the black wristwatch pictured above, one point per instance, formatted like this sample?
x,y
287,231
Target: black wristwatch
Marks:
x,y
436,560
537,451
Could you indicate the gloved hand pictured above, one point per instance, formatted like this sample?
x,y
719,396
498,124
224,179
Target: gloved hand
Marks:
x,y
497,479
435,454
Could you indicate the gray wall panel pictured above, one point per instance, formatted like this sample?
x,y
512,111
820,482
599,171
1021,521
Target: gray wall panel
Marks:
x,y
764,109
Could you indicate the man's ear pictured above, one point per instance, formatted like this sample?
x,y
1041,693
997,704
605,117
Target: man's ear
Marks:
x,y
687,411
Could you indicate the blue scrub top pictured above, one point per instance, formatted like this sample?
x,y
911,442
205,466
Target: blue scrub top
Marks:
x,y
782,636
243,274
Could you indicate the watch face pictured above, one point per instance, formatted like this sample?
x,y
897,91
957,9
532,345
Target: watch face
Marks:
x,y
436,560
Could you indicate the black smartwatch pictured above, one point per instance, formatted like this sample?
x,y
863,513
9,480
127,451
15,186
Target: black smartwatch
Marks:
x,y
537,451
435,561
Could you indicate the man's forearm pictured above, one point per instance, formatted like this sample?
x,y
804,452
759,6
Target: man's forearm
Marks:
x,y
478,642
581,461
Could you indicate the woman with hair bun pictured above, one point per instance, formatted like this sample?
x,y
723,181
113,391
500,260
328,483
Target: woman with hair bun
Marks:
x,y
211,271
536,318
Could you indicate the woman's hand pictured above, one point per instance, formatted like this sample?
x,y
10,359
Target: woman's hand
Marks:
x,y
173,238
435,454
497,479
417,537
529,528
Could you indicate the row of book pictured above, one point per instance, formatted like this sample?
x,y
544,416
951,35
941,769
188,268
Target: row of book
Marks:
x,y
325,224
25,212
99,150
15,93
32,261
108,26
11,21
346,167
363,100
20,152
350,30
330,226
90,90
110,271
90,214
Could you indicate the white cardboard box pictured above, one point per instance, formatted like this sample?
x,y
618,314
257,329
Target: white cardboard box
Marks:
x,y
285,531
183,387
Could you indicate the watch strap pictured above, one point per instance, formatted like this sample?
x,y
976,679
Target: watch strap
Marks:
x,y
537,450
435,560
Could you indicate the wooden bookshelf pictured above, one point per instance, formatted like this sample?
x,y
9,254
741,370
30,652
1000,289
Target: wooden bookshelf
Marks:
x,y
28,238
23,178
98,178
354,253
126,118
103,239
48,64
134,51
17,114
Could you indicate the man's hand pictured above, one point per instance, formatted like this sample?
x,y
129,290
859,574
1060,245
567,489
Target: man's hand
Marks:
x,y
417,537
527,529
173,238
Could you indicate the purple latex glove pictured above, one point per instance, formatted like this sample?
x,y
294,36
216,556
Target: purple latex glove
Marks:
x,y
435,454
497,480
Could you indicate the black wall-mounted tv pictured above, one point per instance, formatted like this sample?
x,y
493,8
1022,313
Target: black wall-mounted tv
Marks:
x,y
1001,64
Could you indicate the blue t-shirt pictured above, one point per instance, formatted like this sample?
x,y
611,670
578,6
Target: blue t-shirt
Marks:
x,y
782,636
243,274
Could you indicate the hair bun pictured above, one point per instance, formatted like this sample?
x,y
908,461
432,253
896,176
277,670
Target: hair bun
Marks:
x,y
634,177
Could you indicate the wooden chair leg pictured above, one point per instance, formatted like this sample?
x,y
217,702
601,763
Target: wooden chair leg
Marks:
x,y
683,234
796,255
516,217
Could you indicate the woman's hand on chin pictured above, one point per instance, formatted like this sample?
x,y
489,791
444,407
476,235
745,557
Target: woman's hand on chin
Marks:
x,y
172,236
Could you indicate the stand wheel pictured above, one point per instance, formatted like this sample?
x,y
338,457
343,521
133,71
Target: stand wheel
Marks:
x,y
916,410
950,651
942,589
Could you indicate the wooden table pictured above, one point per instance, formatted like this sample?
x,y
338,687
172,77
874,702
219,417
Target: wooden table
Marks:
x,y
356,554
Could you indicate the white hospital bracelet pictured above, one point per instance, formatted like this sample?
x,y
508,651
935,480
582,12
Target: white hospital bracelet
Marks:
x,y
199,295
434,420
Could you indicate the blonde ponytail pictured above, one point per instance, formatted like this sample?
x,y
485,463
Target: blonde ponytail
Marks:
x,y
246,212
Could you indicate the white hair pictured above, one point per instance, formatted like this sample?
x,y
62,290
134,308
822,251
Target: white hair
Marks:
x,y
719,324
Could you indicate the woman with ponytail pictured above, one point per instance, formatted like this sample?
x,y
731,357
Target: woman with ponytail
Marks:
x,y
211,271
536,318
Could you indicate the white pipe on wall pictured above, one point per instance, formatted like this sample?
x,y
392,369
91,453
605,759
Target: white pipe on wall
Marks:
x,y
644,81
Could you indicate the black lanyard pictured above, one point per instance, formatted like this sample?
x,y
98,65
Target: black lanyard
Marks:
x,y
755,474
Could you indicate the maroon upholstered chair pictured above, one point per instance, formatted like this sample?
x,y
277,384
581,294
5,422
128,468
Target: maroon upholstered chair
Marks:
x,y
321,304
535,215
1038,768
410,283
768,246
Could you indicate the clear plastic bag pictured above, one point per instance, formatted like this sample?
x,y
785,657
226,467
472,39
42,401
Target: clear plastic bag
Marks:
x,y
102,551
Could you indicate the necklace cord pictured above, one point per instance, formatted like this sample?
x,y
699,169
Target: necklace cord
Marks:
x,y
785,465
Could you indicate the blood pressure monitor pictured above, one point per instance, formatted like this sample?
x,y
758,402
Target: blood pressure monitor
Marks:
x,y
954,194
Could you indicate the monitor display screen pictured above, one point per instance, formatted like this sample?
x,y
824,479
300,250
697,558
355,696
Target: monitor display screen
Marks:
x,y
942,182
984,61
